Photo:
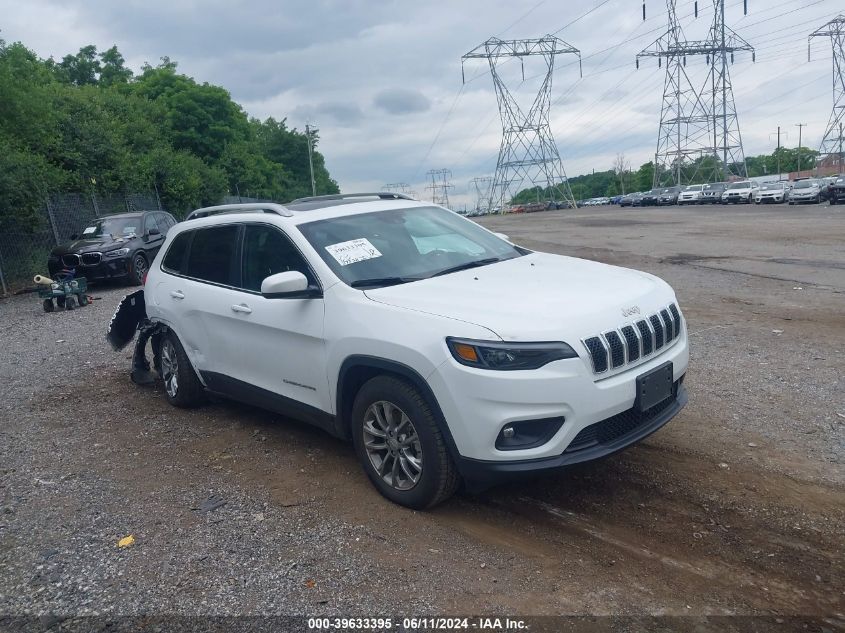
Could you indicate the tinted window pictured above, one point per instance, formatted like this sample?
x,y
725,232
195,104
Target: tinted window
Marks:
x,y
175,259
266,252
212,255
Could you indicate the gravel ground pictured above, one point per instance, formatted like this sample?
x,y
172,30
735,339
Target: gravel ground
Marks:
x,y
736,507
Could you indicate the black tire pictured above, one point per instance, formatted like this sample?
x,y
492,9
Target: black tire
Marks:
x,y
438,477
60,302
82,298
69,302
138,269
182,388
48,305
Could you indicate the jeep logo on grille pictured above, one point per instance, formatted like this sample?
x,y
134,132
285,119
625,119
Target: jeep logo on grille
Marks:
x,y
626,312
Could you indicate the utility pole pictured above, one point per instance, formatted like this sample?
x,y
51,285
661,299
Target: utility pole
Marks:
x,y
800,127
528,156
778,150
835,30
311,160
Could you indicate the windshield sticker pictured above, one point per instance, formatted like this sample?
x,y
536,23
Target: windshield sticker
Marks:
x,y
89,230
353,251
129,230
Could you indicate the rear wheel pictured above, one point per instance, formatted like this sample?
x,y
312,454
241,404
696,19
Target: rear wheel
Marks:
x,y
48,305
83,299
399,444
181,385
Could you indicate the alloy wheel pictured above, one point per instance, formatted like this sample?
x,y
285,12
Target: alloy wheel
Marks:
x,y
140,266
392,445
169,368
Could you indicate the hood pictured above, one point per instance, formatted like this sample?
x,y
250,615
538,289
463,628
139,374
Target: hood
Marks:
x,y
100,243
538,297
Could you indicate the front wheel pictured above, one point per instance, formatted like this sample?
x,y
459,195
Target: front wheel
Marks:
x,y
400,446
139,269
181,385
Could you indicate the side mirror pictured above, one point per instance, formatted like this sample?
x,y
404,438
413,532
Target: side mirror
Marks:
x,y
153,232
502,236
291,284
74,236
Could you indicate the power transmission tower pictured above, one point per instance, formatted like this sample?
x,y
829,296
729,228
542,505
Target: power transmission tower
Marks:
x,y
528,156
727,139
693,126
832,140
685,131
440,186
482,188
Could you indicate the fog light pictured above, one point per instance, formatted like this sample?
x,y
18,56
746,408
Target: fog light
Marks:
x,y
528,433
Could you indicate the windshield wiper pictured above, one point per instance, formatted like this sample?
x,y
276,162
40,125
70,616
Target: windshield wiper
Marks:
x,y
382,281
468,265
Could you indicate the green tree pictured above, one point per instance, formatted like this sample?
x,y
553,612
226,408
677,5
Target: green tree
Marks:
x,y
113,68
83,68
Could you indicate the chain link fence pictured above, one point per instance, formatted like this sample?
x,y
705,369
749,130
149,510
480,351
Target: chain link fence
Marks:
x,y
26,245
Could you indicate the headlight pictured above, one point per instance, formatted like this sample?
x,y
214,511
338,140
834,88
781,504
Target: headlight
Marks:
x,y
507,356
118,252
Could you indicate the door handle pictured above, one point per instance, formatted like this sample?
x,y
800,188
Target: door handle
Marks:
x,y
242,308
177,294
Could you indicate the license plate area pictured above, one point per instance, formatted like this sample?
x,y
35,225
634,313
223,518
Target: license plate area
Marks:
x,y
654,387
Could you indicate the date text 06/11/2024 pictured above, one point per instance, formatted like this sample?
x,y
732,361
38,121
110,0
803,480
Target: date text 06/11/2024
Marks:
x,y
417,624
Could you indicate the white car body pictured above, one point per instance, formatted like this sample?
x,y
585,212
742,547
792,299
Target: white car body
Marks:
x,y
690,195
301,349
769,193
743,191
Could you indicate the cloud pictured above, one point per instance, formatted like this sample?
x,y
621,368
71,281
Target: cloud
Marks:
x,y
344,114
382,80
401,101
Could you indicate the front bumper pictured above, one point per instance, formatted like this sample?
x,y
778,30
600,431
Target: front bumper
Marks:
x,y
112,268
770,199
477,404
633,427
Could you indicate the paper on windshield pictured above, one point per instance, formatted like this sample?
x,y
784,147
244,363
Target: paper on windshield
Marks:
x,y
89,230
353,251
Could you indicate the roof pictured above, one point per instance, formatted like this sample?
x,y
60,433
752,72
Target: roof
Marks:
x,y
299,205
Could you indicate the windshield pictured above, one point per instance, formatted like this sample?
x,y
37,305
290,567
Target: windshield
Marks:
x,y
694,188
805,184
116,227
741,185
769,186
714,187
396,246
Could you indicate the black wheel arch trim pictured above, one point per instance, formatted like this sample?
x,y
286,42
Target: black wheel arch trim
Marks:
x,y
394,367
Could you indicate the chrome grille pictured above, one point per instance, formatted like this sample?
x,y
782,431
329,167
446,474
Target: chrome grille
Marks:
x,y
635,341
70,261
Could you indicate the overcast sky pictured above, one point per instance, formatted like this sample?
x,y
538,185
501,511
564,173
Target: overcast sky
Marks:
x,y
382,79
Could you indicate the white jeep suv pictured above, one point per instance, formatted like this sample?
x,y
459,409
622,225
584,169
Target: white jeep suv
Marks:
x,y
445,352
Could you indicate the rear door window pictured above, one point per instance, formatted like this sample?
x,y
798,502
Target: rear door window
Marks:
x,y
212,255
174,260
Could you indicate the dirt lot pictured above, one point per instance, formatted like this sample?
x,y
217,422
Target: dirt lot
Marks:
x,y
736,507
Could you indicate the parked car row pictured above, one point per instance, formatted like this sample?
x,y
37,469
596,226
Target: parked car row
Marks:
x,y
812,190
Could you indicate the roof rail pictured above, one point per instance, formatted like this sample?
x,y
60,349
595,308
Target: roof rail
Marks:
x,y
246,207
384,195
